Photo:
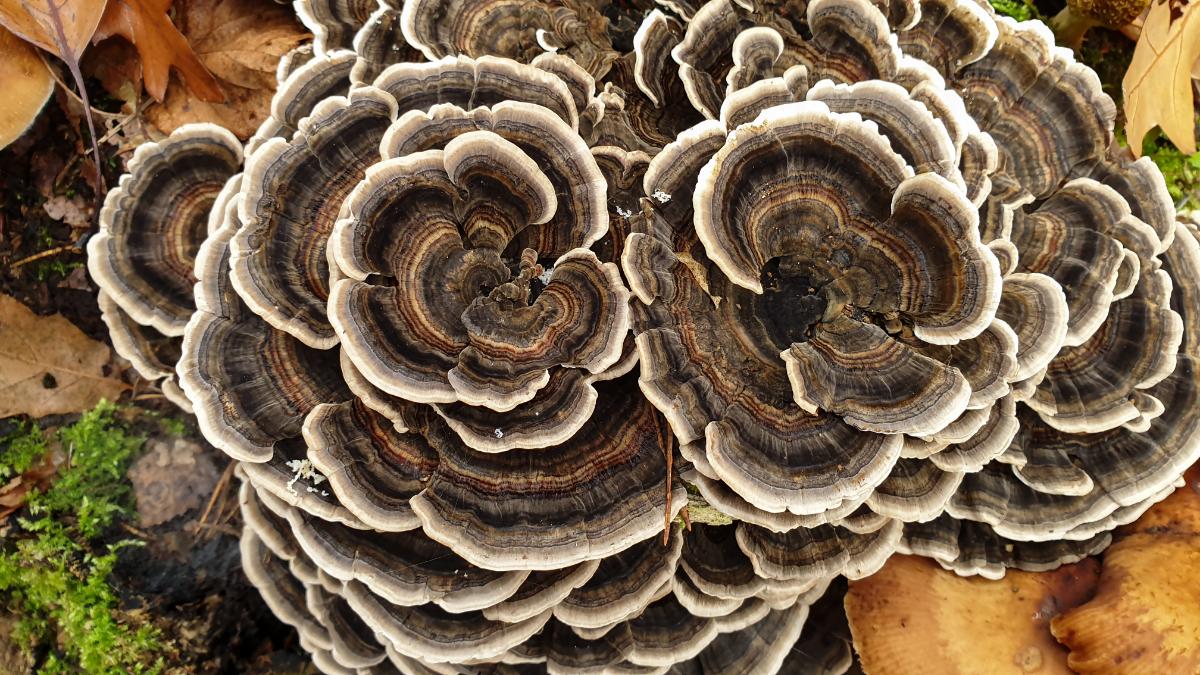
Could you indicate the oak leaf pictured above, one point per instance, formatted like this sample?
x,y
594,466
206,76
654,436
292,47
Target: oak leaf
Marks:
x,y
28,85
240,42
48,366
160,45
1158,84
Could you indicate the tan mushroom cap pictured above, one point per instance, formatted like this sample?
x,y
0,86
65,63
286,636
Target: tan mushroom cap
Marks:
x,y
153,222
913,616
1143,618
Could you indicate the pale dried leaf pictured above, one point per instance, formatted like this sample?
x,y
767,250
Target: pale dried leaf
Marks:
x,y
1158,84
39,350
160,44
240,42
27,84
34,20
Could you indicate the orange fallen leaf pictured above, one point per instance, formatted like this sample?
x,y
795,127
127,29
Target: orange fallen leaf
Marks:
x,y
240,42
160,45
48,366
1158,84
28,85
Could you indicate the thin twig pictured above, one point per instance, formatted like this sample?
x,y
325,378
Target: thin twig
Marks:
x,y
45,254
142,534
217,491
72,60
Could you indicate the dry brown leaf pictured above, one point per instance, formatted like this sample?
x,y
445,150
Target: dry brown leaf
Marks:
x,y
14,493
36,351
1158,84
160,44
34,20
27,84
240,42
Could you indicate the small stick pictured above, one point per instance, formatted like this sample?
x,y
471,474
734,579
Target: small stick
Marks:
x,y
212,501
666,441
72,248
687,518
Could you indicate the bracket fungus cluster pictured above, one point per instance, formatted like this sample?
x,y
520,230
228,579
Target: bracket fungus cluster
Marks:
x,y
480,311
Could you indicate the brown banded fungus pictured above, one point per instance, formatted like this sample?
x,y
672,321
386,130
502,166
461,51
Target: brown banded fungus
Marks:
x,y
852,277
151,227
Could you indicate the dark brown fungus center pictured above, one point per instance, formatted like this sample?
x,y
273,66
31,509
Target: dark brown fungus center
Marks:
x,y
790,304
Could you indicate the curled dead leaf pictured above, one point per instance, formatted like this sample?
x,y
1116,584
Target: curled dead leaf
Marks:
x,y
240,42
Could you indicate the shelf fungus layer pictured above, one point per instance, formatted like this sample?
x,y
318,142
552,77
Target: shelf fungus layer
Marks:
x,y
804,299
153,222
841,278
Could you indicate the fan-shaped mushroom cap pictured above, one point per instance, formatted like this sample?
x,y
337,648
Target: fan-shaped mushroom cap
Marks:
x,y
1091,387
759,648
152,354
515,30
153,222
964,625
541,591
304,85
352,642
380,43
812,555
1143,616
288,476
292,195
283,593
251,385
404,568
1125,467
1085,238
551,417
915,491
624,584
432,634
446,341
1022,82
599,493
969,548
334,22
